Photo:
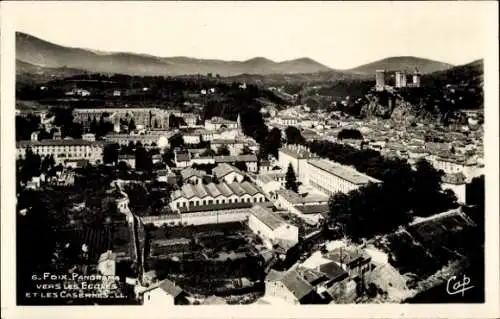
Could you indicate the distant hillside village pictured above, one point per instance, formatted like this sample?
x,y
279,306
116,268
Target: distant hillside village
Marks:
x,y
230,198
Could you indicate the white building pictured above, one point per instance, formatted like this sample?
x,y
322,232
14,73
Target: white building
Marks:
x,y
68,149
215,194
216,123
452,165
107,264
287,120
269,185
297,156
191,138
272,229
163,294
330,178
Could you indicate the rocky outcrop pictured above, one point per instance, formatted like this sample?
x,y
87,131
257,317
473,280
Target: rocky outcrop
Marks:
x,y
392,106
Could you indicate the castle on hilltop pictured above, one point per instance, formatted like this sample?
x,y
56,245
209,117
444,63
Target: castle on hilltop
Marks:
x,y
400,79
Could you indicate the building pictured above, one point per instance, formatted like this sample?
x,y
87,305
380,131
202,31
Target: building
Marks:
x,y
380,80
330,178
297,156
250,161
190,119
416,78
289,286
88,137
228,173
456,164
62,150
144,117
288,120
182,158
192,138
400,79
192,176
310,208
352,260
164,294
215,194
272,229
148,139
456,183
234,146
268,184
107,264
216,123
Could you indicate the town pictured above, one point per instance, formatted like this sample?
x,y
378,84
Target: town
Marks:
x,y
268,203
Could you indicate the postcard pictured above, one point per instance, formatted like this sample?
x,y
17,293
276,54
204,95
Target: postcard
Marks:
x,y
268,159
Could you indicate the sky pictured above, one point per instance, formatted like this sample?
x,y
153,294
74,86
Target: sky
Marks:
x,y
340,35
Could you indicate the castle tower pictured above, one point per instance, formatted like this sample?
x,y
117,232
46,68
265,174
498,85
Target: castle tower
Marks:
x,y
400,79
380,80
416,78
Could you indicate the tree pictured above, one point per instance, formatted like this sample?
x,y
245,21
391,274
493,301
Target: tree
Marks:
x,y
475,194
272,143
291,179
131,125
93,128
176,141
110,153
30,165
143,160
350,134
426,188
48,163
223,151
293,136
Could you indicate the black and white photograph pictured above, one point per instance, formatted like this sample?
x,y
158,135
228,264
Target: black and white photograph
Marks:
x,y
249,153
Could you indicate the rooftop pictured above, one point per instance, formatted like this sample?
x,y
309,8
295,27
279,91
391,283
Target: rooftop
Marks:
x,y
68,142
313,209
343,172
190,172
224,169
109,255
238,158
213,190
296,284
346,256
296,151
456,179
214,207
170,287
271,220
332,270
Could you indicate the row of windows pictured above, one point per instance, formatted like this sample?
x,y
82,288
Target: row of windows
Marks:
x,y
221,201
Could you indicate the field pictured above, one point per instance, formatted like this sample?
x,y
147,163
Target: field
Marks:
x,y
99,240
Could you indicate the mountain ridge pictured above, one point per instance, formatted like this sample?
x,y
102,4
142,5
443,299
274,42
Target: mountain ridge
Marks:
x,y
403,63
43,53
